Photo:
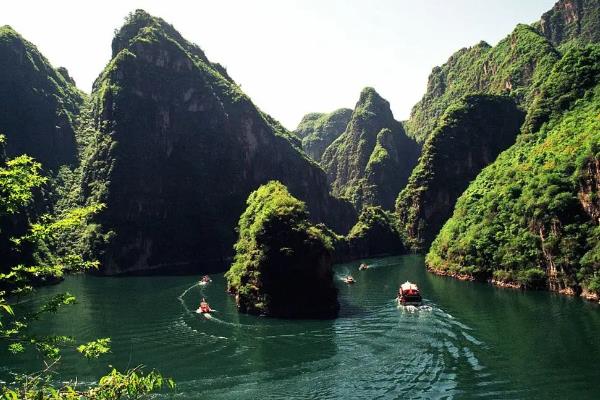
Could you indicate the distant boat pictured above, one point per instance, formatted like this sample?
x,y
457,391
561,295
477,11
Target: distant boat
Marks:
x,y
409,294
205,280
349,279
363,267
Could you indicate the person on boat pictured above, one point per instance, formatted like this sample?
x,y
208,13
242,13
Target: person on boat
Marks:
x,y
204,307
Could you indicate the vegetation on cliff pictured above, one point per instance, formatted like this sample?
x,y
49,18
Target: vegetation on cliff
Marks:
x,y
279,254
371,161
516,66
469,136
375,234
38,105
531,217
177,150
318,131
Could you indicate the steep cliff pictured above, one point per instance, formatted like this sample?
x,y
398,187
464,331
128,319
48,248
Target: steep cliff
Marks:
x,y
178,149
572,20
38,106
469,137
318,131
516,66
530,218
279,254
371,161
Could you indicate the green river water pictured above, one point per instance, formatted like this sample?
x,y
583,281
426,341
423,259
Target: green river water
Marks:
x,y
469,340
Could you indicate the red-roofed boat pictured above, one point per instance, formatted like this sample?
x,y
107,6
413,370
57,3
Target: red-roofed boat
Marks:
x,y
409,294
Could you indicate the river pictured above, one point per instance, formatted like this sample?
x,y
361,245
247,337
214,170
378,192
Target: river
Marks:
x,y
469,340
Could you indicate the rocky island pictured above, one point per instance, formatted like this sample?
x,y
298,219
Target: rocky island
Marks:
x,y
283,263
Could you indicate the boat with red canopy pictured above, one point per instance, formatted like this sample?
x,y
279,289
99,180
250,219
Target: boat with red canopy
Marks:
x,y
409,294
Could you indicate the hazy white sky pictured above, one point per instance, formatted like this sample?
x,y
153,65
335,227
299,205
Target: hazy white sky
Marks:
x,y
291,57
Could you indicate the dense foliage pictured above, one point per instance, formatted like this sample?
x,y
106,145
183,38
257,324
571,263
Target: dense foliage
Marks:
x,y
469,136
532,216
279,254
176,151
371,161
318,131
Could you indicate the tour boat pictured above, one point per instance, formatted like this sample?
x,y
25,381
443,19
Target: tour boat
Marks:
x,y
204,308
349,279
409,294
205,280
363,266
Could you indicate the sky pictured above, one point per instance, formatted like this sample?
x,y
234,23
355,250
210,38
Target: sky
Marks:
x,y
290,56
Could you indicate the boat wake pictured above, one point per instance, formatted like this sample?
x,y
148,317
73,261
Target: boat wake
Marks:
x,y
185,292
413,308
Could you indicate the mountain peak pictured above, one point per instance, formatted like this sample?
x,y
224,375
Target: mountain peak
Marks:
x,y
140,22
369,99
134,23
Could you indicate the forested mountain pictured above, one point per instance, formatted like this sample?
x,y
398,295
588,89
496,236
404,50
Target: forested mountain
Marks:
x,y
178,149
172,147
38,104
318,130
531,217
516,66
371,161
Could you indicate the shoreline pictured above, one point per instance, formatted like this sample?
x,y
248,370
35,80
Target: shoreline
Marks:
x,y
585,294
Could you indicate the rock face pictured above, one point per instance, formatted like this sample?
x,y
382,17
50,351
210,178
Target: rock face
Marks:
x,y
572,20
38,106
179,147
371,161
279,254
469,137
318,131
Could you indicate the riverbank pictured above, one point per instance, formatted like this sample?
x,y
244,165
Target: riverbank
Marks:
x,y
570,292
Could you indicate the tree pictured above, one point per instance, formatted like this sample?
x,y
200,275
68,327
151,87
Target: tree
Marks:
x,y
19,177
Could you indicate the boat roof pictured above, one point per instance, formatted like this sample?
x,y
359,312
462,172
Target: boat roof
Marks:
x,y
408,286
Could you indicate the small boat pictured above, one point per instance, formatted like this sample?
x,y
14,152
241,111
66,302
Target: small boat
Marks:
x,y
363,267
409,294
205,280
204,308
349,279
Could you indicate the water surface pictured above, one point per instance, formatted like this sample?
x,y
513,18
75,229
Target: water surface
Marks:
x,y
470,340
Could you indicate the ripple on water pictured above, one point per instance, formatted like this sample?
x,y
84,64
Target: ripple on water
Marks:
x,y
375,349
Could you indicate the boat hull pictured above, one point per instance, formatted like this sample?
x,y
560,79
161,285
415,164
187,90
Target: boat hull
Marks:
x,y
410,301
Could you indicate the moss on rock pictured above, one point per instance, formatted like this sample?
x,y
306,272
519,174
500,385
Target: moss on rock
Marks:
x,y
283,263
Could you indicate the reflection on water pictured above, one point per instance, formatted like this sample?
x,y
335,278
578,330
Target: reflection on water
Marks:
x,y
466,340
